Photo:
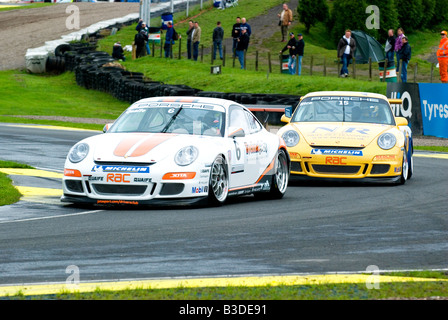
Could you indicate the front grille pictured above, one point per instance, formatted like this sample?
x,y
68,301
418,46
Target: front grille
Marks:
x,y
169,189
74,185
119,189
380,169
296,167
320,168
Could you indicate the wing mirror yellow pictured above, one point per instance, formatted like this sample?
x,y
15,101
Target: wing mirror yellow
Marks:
x,y
401,121
286,119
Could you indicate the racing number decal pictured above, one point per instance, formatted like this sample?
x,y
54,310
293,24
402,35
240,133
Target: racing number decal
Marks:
x,y
336,160
118,177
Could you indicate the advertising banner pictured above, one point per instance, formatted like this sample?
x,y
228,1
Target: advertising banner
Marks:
x,y
410,109
434,109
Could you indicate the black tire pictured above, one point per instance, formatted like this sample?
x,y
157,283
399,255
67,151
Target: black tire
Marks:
x,y
218,188
281,176
404,169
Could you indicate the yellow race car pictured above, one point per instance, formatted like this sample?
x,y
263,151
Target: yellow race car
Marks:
x,y
348,135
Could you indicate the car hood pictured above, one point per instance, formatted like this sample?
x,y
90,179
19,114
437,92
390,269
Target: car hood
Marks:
x,y
340,134
140,147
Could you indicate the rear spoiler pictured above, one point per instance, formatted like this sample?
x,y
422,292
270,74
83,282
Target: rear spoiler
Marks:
x,y
269,109
395,101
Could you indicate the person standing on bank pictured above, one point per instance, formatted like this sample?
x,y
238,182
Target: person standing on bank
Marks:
x,y
189,33
285,20
390,46
346,51
236,32
241,47
398,45
218,36
196,39
300,52
405,56
292,46
442,56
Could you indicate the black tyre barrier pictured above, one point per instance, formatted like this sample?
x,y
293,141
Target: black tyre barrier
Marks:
x,y
55,64
93,70
61,49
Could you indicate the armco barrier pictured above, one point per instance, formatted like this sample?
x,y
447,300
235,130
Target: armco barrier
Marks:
x,y
425,105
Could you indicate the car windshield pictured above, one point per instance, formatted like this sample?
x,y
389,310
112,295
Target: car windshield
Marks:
x,y
344,109
207,120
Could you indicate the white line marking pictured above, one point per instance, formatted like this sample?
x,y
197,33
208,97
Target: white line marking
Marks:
x,y
52,217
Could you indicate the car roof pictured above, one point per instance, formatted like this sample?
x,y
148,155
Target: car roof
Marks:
x,y
189,99
345,94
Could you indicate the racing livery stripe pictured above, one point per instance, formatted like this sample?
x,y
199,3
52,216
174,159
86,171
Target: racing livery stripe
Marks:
x,y
265,172
125,145
150,143
141,145
191,100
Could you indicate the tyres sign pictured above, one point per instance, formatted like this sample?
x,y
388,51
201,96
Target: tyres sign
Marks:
x,y
434,108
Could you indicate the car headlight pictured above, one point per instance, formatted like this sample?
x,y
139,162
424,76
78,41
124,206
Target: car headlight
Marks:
x,y
186,156
387,141
291,138
78,152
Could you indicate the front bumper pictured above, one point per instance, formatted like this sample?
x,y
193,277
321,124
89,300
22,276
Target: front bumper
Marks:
x,y
342,164
135,188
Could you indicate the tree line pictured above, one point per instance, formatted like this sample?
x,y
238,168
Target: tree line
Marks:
x,y
339,15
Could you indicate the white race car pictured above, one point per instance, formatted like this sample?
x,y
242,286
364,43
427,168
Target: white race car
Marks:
x,y
177,150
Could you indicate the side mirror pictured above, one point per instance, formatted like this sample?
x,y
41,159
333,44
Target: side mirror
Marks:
x,y
236,133
286,119
107,127
401,121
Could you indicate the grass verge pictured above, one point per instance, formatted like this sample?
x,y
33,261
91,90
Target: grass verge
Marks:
x,y
434,288
9,193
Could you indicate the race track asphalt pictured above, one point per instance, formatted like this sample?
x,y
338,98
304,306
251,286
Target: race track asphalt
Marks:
x,y
316,228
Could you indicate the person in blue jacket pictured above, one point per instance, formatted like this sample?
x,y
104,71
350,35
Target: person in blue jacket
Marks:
x,y
169,40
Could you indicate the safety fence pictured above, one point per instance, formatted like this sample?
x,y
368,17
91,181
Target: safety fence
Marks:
x,y
311,64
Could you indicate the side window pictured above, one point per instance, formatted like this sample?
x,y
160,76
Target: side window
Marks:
x,y
238,119
254,125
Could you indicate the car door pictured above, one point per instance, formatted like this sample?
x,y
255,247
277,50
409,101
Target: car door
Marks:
x,y
238,129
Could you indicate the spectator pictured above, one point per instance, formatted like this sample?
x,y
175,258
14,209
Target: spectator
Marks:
x,y
139,41
292,46
390,46
246,26
169,40
405,56
442,56
218,36
241,47
285,21
196,38
142,26
236,33
300,51
398,45
189,42
117,52
346,51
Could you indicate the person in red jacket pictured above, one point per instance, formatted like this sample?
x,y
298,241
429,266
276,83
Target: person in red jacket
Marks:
x,y
442,56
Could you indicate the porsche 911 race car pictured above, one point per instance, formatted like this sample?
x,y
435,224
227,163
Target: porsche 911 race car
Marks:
x,y
348,135
177,150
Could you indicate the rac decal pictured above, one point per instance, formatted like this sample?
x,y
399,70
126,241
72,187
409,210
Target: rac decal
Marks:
x,y
118,177
336,160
